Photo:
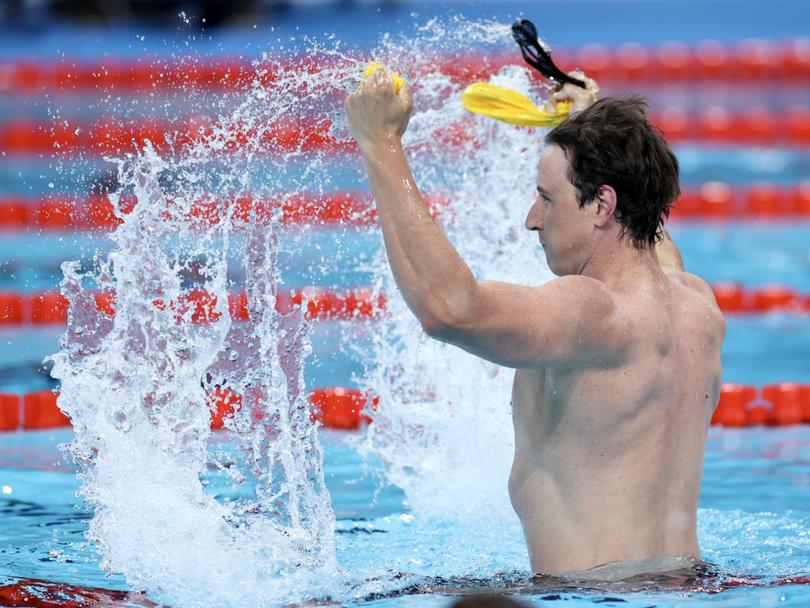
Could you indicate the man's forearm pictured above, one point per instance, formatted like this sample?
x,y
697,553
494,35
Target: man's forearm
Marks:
x,y
435,281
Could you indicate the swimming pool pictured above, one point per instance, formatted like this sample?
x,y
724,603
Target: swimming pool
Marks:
x,y
447,530
753,522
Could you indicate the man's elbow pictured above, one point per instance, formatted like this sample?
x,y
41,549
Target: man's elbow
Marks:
x,y
442,322
435,327
444,316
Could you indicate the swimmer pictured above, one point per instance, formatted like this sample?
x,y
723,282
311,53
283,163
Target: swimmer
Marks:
x,y
617,361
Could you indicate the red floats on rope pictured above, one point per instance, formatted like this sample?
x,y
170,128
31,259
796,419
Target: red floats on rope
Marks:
x,y
335,408
756,126
41,412
633,61
340,408
674,124
780,404
797,58
223,403
732,408
673,61
713,60
713,200
758,59
776,298
786,403
761,200
322,304
48,307
9,412
764,200
801,199
14,212
11,308
730,297
750,60
201,307
797,121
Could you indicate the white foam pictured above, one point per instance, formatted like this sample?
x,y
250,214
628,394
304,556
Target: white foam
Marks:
x,y
135,384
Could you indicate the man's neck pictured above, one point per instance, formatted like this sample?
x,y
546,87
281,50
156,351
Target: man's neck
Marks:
x,y
615,260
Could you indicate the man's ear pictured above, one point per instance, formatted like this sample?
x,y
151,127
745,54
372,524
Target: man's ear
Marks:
x,y
605,205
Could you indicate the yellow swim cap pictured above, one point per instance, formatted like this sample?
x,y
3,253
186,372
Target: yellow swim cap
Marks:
x,y
373,66
510,106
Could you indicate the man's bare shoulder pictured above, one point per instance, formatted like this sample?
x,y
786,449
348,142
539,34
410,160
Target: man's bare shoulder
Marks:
x,y
582,292
603,320
693,282
704,290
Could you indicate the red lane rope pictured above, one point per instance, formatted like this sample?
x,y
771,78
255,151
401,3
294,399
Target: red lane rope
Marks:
x,y
781,404
336,408
96,212
710,200
51,307
754,126
749,60
778,404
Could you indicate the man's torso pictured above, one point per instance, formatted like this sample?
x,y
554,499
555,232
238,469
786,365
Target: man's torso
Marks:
x,y
608,459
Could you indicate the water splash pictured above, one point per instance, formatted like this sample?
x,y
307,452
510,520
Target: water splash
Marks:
x,y
195,517
192,517
444,429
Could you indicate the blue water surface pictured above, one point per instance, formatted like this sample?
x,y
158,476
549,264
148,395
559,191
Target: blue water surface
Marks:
x,y
753,522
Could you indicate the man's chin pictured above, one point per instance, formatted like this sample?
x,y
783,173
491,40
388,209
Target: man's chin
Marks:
x,y
554,267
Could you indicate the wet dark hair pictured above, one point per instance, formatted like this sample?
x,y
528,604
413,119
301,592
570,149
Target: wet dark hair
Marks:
x,y
612,143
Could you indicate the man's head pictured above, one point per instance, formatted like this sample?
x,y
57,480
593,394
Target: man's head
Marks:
x,y
604,170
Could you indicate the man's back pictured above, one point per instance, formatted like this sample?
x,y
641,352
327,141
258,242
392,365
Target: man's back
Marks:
x,y
608,459
619,361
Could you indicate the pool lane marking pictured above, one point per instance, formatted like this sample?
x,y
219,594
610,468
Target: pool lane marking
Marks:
x,y
359,303
756,125
710,200
344,408
750,61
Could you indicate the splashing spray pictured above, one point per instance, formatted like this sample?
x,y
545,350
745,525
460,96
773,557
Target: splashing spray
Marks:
x,y
443,428
195,517
191,516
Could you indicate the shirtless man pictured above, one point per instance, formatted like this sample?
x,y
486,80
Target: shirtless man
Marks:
x,y
617,361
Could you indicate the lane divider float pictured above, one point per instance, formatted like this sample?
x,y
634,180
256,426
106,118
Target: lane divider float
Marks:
x,y
96,212
201,307
335,408
779,404
757,126
750,60
711,200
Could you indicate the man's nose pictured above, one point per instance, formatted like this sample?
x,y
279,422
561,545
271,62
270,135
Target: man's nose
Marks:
x,y
534,219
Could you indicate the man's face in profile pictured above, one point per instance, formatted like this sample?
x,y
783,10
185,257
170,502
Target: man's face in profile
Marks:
x,y
563,227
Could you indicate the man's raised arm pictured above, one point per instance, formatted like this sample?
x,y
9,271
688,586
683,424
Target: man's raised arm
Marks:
x,y
435,282
563,321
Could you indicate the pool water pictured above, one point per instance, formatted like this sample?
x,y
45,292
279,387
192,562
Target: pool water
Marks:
x,y
754,524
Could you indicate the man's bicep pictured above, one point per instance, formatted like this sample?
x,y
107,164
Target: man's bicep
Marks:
x,y
554,324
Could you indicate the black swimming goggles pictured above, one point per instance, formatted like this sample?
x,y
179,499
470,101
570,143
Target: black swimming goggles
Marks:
x,y
538,54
